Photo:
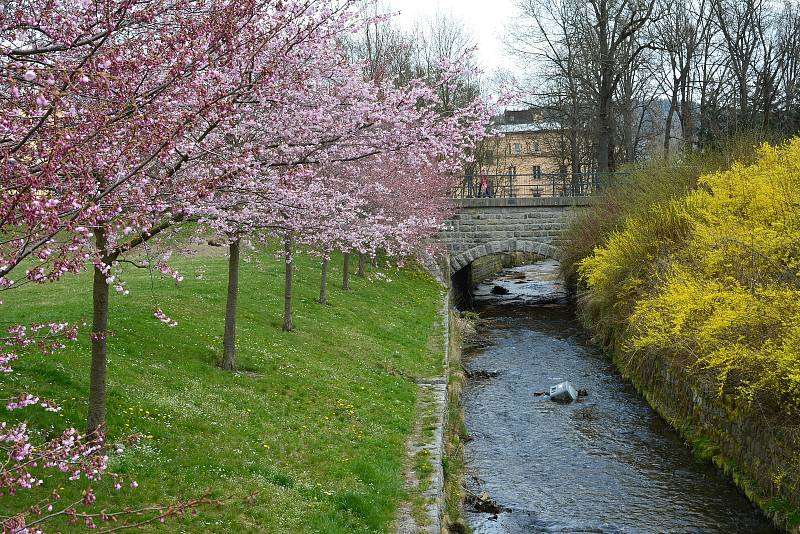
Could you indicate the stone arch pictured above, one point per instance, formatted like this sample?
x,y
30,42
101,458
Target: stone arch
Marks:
x,y
463,259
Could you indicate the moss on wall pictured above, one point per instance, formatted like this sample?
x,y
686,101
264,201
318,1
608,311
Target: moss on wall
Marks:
x,y
747,450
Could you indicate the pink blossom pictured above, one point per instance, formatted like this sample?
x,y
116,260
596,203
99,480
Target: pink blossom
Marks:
x,y
161,316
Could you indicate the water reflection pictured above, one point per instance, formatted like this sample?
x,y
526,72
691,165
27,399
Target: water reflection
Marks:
x,y
606,463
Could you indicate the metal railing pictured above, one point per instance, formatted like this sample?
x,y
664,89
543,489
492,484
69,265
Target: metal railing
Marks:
x,y
532,185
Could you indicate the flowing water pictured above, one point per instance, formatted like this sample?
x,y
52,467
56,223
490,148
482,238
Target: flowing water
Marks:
x,y
606,463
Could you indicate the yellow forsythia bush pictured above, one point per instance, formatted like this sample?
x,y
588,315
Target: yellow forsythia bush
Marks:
x,y
713,281
627,266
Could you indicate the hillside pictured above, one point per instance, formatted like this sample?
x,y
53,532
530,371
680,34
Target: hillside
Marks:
x,y
313,424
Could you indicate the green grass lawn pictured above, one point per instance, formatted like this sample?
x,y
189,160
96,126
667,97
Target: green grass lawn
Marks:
x,y
315,421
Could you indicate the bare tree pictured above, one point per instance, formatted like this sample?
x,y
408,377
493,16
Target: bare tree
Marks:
x,y
622,73
441,40
592,45
544,35
610,29
679,35
386,51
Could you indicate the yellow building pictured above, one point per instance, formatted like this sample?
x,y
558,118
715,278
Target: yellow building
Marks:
x,y
523,159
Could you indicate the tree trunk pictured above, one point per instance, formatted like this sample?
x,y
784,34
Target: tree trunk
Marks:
x,y
229,339
630,139
627,112
605,89
323,285
744,112
603,148
605,128
668,122
96,424
362,265
575,161
687,126
346,272
703,136
288,326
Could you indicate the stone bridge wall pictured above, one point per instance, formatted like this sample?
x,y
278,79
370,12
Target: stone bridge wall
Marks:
x,y
488,226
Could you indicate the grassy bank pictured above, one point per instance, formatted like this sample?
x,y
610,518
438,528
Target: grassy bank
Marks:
x,y
314,424
695,290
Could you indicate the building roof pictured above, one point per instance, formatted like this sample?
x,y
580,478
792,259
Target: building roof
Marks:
x,y
526,127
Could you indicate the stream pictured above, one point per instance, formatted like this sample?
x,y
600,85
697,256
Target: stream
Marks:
x,y
606,463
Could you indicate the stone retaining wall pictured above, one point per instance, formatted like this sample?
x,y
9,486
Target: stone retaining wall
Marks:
x,y
749,450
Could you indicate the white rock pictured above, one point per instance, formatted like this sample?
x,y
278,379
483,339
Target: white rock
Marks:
x,y
563,392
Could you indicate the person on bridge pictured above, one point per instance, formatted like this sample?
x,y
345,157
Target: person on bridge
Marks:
x,y
483,190
469,185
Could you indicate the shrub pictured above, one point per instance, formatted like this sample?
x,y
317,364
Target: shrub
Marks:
x,y
731,296
713,279
628,265
635,190
628,197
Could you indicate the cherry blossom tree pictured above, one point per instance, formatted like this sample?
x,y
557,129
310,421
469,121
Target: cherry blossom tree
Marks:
x,y
120,109
110,112
122,118
316,176
345,133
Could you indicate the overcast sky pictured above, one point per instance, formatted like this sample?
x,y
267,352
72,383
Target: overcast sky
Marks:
x,y
484,19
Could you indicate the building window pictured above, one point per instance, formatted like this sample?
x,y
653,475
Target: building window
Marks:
x,y
535,147
537,171
517,148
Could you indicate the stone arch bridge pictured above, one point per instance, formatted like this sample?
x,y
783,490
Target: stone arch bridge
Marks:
x,y
494,227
